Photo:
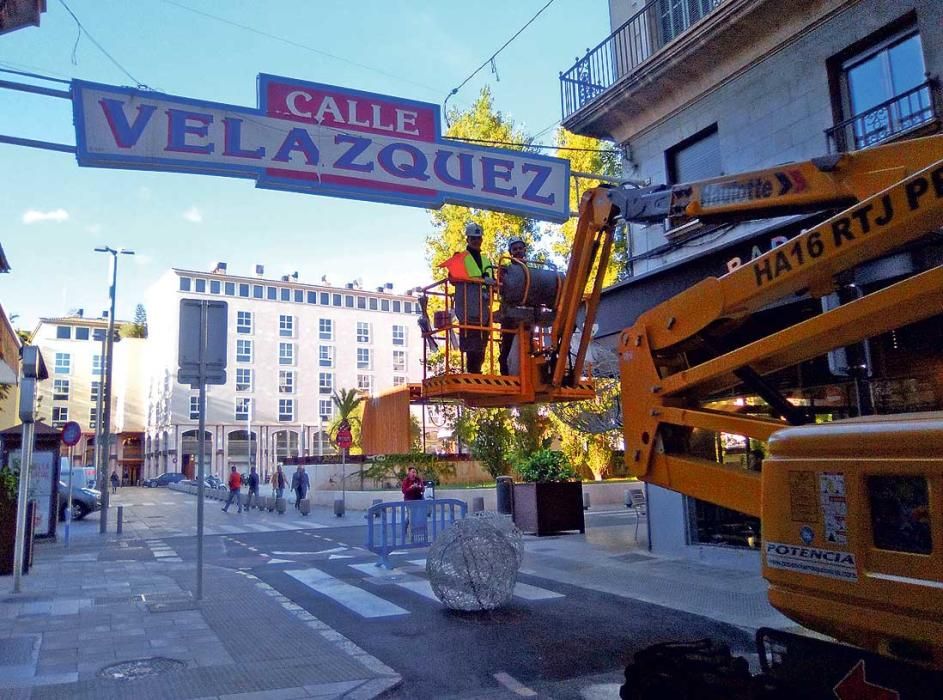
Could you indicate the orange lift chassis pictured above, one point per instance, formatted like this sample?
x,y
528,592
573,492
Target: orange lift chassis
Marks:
x,y
852,511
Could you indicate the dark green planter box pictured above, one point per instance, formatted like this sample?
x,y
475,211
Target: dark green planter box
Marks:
x,y
544,509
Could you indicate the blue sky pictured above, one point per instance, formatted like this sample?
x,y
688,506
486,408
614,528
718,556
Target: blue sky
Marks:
x,y
53,213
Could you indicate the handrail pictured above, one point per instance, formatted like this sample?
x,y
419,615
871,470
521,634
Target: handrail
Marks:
x,y
641,36
884,121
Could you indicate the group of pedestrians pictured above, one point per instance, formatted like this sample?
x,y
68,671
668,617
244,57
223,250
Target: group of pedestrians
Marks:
x,y
300,485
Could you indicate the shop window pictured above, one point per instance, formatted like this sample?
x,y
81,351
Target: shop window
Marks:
x,y
900,513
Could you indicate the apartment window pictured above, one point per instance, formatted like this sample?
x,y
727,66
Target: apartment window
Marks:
x,y
63,363
326,329
98,334
299,296
884,90
286,326
397,306
60,390
677,15
244,290
243,322
363,358
258,291
93,417
325,409
399,360
94,390
64,332
271,293
194,408
335,299
97,364
373,303
242,408
325,299
286,353
398,380
408,307
325,355
81,333
286,381
284,294
243,379
184,284
384,304
399,335
325,383
363,332
229,289
214,287
286,410
349,301
361,302
312,297
243,350
365,383
60,416
200,286
695,158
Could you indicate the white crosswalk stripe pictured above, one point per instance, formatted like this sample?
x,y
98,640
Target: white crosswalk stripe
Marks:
x,y
356,599
407,581
521,590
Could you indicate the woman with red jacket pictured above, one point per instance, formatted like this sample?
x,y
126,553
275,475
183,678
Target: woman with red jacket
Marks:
x,y
412,486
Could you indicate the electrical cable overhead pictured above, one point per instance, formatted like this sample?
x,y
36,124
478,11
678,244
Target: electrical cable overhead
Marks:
x,y
489,60
299,45
101,48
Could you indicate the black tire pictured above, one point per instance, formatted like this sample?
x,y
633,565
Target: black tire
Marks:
x,y
79,511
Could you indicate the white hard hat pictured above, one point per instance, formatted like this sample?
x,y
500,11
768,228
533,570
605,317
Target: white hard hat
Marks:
x,y
473,230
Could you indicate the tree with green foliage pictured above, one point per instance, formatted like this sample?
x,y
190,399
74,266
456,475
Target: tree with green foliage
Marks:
x,y
492,442
349,407
138,327
481,121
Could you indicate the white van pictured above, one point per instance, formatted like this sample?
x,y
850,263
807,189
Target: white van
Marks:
x,y
84,477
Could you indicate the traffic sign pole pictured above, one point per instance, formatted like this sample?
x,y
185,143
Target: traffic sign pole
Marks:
x,y
71,434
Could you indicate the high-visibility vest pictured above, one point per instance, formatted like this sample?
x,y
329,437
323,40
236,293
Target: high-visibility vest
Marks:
x,y
462,267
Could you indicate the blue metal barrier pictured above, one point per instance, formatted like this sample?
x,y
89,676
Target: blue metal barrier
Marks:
x,y
409,524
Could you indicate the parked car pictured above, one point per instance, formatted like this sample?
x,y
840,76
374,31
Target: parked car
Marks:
x,y
84,501
164,479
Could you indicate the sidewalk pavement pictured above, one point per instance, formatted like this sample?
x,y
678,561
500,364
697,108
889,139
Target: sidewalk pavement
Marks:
x,y
105,600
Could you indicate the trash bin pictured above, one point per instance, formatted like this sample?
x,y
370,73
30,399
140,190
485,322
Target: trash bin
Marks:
x,y
504,492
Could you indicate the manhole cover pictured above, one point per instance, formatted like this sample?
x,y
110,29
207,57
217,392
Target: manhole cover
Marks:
x,y
140,668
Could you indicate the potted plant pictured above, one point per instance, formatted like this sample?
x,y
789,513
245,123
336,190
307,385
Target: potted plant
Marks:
x,y
550,499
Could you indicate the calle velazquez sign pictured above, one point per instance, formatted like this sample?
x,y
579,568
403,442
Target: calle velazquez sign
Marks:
x,y
318,139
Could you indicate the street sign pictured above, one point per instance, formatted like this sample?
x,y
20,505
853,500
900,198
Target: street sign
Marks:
x,y
193,355
344,438
71,433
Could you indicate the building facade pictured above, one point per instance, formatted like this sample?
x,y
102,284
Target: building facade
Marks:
x,y
692,89
73,347
291,345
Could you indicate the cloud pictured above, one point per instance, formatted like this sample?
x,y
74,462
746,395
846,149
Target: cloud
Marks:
x,y
193,215
33,216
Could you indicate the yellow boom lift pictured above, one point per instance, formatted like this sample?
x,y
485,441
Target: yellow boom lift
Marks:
x,y
852,511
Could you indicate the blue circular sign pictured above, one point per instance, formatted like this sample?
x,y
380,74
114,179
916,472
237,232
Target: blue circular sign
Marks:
x,y
71,433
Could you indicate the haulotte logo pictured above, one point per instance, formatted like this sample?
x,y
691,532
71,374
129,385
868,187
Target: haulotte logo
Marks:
x,y
319,139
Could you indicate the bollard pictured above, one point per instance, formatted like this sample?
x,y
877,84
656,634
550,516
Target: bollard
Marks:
x,y
478,504
339,507
375,501
120,525
585,501
504,491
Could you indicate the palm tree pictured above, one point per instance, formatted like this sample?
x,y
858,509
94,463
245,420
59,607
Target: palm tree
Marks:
x,y
347,401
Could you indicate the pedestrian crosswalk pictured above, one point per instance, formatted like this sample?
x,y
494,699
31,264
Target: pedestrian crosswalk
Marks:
x,y
352,594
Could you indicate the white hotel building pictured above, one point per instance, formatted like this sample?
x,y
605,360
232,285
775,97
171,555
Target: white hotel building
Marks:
x,y
290,346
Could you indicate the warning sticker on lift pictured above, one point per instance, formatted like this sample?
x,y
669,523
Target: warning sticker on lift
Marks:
x,y
812,560
834,507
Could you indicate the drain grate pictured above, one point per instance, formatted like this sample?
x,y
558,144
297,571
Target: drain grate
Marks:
x,y
140,668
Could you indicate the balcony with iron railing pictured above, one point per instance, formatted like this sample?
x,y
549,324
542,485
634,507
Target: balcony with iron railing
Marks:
x,y
906,113
644,34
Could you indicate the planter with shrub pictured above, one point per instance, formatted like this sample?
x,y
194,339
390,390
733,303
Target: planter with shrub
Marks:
x,y
549,499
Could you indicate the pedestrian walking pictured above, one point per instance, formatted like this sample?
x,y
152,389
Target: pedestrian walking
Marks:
x,y
253,488
279,482
235,486
114,482
300,483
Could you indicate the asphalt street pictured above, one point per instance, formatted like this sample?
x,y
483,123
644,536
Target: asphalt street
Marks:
x,y
554,639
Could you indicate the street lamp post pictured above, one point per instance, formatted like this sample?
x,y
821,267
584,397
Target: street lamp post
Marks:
x,y
105,452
